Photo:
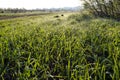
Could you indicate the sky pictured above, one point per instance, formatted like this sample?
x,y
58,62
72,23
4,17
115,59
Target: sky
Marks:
x,y
33,4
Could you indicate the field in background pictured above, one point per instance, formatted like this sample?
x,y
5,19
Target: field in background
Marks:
x,y
69,47
4,16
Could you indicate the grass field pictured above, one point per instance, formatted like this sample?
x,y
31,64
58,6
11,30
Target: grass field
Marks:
x,y
70,47
4,16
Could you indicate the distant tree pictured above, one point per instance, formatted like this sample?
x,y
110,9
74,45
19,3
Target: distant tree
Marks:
x,y
11,10
1,11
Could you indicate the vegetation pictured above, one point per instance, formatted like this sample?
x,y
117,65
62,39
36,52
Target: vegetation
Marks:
x,y
22,10
71,47
104,8
10,10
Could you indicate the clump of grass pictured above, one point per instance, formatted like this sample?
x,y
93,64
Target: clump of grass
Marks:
x,y
81,17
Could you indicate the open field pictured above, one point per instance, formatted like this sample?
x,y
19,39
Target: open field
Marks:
x,y
4,16
70,47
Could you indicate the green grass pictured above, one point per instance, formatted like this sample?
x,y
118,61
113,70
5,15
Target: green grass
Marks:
x,y
20,14
73,47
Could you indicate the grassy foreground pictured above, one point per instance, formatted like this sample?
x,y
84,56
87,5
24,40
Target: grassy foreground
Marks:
x,y
72,47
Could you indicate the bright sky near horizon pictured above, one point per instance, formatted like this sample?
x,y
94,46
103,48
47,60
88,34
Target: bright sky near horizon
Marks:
x,y
33,4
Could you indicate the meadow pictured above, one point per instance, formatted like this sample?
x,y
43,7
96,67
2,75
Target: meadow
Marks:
x,y
76,46
4,16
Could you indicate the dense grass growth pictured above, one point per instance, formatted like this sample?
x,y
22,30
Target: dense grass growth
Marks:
x,y
78,47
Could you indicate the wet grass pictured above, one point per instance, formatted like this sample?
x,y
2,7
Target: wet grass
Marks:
x,y
78,47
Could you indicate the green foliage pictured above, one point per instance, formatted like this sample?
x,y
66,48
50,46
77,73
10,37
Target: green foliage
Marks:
x,y
42,47
104,8
15,10
81,17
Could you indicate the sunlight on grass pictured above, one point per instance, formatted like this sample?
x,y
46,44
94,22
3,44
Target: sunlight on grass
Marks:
x,y
72,47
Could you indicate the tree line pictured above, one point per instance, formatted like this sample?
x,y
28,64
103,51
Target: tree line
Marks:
x,y
20,10
10,10
104,8
23,10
